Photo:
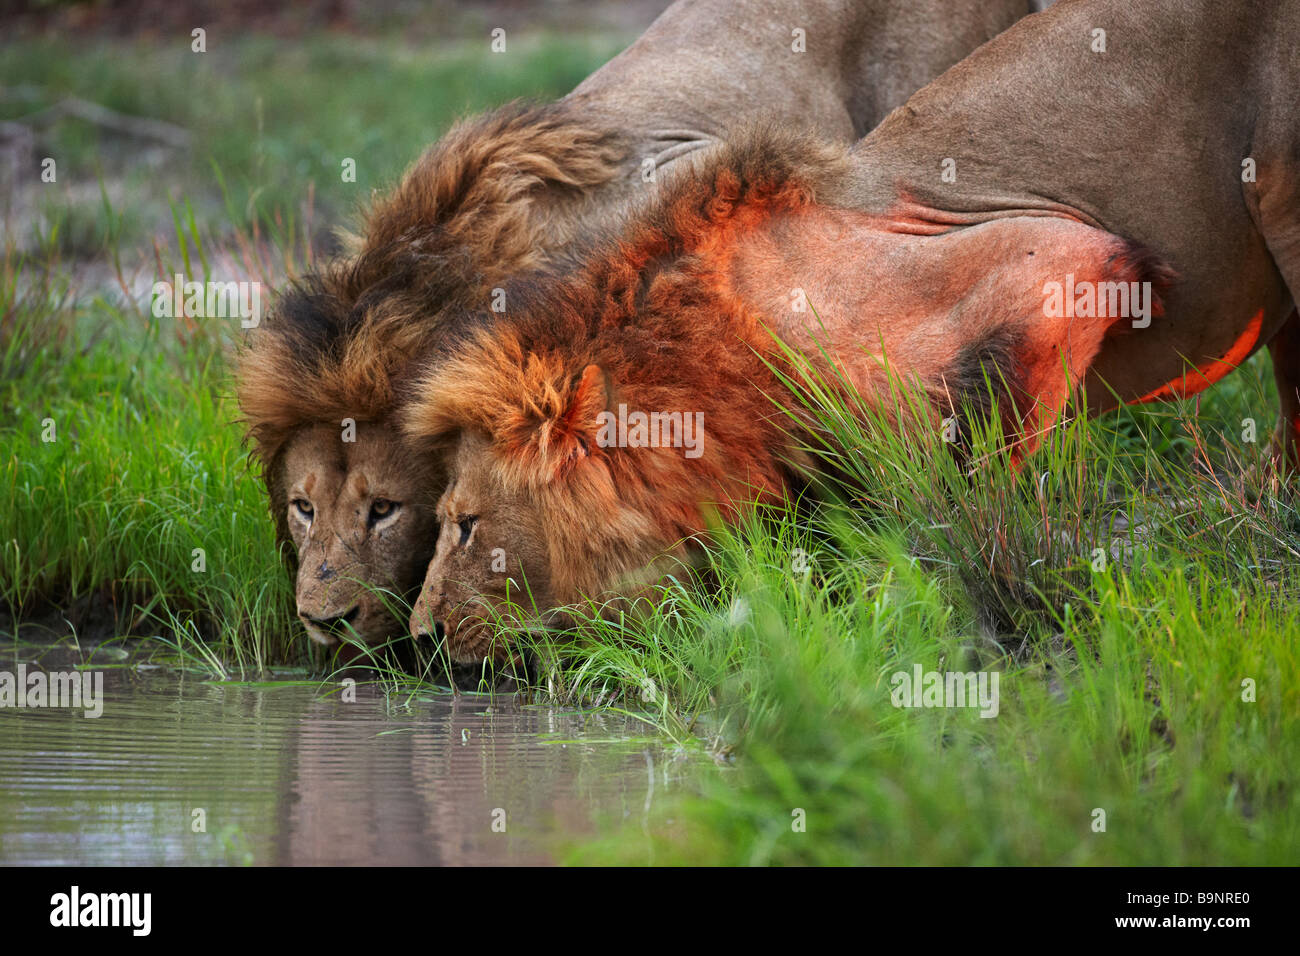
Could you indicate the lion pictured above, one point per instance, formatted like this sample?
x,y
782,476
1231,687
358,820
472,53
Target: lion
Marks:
x,y
507,193
1105,222
595,430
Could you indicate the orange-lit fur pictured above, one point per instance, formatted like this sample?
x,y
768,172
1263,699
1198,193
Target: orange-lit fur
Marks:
x,y
1199,379
677,314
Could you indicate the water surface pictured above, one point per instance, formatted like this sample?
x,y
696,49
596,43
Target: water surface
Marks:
x,y
290,773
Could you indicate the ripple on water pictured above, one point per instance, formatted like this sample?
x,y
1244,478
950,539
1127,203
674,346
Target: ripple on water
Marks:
x,y
291,774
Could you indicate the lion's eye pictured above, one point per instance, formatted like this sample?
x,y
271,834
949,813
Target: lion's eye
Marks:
x,y
381,508
304,507
467,524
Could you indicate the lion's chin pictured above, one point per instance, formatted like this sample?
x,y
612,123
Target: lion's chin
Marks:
x,y
364,637
323,638
472,644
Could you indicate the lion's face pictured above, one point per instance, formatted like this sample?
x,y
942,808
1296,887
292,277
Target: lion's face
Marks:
x,y
537,547
491,548
361,516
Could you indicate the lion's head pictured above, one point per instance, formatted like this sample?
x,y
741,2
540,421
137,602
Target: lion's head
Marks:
x,y
353,508
520,552
318,386
591,430
361,519
584,453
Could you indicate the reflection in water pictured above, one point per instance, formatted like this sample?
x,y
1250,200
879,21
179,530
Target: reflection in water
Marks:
x,y
291,774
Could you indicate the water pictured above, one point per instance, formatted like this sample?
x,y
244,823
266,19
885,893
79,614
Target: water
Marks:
x,y
288,773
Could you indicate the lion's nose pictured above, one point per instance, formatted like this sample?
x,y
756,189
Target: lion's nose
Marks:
x,y
336,623
439,632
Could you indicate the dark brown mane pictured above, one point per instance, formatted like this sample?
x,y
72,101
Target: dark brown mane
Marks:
x,y
653,310
466,214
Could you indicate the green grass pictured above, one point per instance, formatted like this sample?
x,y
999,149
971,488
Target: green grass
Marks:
x,y
1121,690
1120,683
1121,680
143,467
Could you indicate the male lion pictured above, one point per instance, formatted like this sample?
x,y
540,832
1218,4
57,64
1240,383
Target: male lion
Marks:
x,y
592,428
323,378
1146,184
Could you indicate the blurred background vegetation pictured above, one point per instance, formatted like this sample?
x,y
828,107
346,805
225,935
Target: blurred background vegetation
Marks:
x,y
257,127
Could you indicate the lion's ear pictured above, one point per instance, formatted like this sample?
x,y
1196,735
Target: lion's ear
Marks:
x,y
541,414
567,434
